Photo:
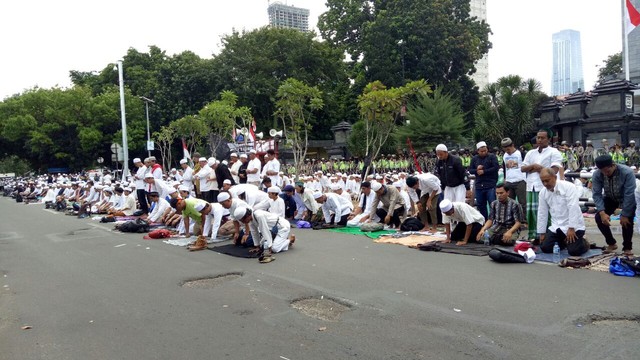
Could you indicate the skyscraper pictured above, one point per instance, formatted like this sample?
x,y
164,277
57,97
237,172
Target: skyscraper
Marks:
x,y
567,74
285,16
481,76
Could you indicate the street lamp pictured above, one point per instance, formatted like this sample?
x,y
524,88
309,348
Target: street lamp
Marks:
x,y
401,43
125,144
146,104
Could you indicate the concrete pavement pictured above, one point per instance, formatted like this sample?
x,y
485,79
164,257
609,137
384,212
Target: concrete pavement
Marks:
x,y
90,293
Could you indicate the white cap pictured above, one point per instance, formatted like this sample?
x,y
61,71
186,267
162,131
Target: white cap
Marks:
x,y
148,175
223,196
441,147
183,188
376,186
233,155
227,181
274,189
243,156
240,213
127,189
136,160
202,159
446,205
174,183
397,184
335,187
183,161
317,195
200,205
481,144
172,190
252,151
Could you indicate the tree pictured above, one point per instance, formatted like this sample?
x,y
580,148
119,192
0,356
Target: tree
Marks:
x,y
612,66
221,117
165,138
507,110
192,129
380,109
254,64
432,120
295,104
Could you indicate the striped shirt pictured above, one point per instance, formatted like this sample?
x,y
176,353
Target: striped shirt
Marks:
x,y
505,214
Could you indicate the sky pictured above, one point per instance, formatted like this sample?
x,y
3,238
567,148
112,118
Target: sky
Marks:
x,y
42,40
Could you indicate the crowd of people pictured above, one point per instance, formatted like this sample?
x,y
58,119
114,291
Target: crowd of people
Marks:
x,y
502,195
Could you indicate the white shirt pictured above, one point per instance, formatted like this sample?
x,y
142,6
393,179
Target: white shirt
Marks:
x,y
262,224
277,206
252,165
273,165
158,210
212,220
547,158
235,204
139,177
253,196
563,205
203,175
336,204
235,168
129,205
513,163
463,213
427,183
187,178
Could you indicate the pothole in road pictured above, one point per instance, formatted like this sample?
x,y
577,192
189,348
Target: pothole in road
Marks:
x,y
321,308
612,320
211,281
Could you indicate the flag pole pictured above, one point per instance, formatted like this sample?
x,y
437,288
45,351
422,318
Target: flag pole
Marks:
x,y
625,40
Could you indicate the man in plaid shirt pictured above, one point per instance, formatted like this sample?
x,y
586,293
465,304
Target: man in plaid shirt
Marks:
x,y
504,219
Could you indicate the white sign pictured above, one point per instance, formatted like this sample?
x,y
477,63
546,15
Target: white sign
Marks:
x,y
114,158
628,101
150,146
117,149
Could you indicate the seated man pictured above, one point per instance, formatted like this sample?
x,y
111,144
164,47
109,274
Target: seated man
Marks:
x,y
393,206
262,224
365,207
128,206
160,207
560,200
307,206
335,208
290,206
469,221
240,237
276,204
504,219
613,187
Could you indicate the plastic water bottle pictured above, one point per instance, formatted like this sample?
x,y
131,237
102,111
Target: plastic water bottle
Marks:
x,y
486,238
556,251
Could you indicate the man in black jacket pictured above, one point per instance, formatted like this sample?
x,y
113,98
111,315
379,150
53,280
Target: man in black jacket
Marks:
x,y
453,177
222,173
485,167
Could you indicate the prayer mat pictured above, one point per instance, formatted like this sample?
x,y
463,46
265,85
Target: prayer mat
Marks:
x,y
357,231
232,250
540,256
410,241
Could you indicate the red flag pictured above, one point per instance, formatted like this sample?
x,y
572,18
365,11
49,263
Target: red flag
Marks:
x,y
185,151
631,17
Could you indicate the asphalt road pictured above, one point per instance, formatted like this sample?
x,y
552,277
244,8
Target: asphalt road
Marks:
x,y
90,293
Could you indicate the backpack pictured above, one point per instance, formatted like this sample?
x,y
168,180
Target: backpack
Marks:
x,y
19,198
366,227
619,267
504,256
134,226
632,263
411,224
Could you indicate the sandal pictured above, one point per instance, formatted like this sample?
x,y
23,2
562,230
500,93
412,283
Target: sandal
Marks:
x,y
266,259
610,249
628,253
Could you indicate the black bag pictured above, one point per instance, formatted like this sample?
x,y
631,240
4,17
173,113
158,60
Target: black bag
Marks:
x,y
19,198
430,246
107,219
633,264
138,213
134,226
411,224
503,256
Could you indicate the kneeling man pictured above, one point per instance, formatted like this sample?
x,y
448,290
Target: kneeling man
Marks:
x,y
560,200
469,221
504,219
262,224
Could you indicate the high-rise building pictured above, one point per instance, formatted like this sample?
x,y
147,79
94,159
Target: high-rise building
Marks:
x,y
286,16
567,76
481,76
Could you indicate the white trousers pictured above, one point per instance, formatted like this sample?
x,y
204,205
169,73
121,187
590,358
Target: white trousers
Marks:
x,y
281,240
455,194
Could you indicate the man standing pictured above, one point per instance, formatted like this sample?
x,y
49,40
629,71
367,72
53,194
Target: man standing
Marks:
x,y
485,167
618,183
272,168
429,186
544,156
187,175
253,169
203,175
452,175
141,193
235,167
561,200
503,223
514,178
242,170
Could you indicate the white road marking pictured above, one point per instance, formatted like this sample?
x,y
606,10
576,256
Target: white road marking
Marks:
x,y
120,245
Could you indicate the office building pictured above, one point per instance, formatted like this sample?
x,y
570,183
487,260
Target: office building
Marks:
x,y
567,76
286,16
481,76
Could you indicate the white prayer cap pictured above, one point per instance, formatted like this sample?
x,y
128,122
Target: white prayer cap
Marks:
x,y
375,186
233,155
98,187
335,187
172,190
223,161
183,161
136,160
148,175
223,196
252,151
202,159
211,161
227,181
108,189
200,205
441,147
397,184
243,156
174,183
173,169
274,189
127,189
446,205
240,213
183,188
317,195
481,144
